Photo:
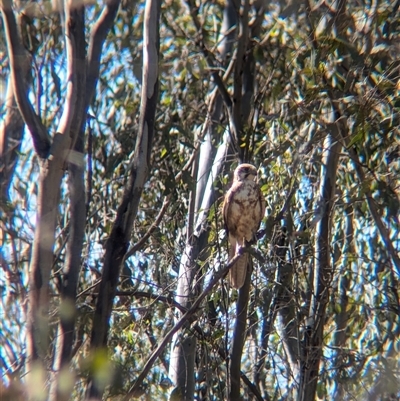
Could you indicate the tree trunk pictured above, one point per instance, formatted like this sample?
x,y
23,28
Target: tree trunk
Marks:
x,y
76,185
183,349
313,336
117,243
239,335
52,160
11,134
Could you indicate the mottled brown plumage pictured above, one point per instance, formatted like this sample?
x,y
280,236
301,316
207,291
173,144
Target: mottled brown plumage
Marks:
x,y
243,209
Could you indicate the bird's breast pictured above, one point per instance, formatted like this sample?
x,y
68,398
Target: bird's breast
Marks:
x,y
245,210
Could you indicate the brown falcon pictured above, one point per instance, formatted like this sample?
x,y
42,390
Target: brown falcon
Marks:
x,y
243,210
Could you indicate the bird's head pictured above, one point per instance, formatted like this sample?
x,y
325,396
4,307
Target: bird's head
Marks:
x,y
245,172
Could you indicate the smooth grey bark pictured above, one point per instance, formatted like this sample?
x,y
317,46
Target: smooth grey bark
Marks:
x,y
182,366
210,165
313,335
183,347
13,124
19,60
238,112
117,244
53,155
51,173
76,186
11,134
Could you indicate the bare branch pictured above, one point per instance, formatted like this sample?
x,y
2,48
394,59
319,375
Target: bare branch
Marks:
x,y
98,36
252,387
11,134
223,354
313,338
141,294
237,111
18,65
209,57
75,55
162,211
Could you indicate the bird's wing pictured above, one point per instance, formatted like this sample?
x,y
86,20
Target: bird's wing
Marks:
x,y
226,207
262,204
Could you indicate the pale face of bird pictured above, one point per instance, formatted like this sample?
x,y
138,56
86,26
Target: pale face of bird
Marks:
x,y
245,172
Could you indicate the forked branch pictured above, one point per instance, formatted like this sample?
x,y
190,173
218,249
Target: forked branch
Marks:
x,y
18,62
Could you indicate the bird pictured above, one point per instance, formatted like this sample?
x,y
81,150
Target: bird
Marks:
x,y
243,210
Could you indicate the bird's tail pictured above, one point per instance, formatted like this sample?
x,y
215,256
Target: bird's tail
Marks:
x,y
239,269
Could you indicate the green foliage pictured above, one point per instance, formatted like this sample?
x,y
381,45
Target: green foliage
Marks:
x,y
305,66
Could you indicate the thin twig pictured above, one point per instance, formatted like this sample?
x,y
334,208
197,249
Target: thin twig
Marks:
x,y
164,208
142,294
384,232
153,226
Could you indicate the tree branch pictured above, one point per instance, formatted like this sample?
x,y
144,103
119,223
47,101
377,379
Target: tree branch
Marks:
x,y
116,246
222,353
342,317
208,57
11,134
84,82
163,209
237,110
75,56
252,387
141,294
18,65
51,173
313,336
239,335
98,36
